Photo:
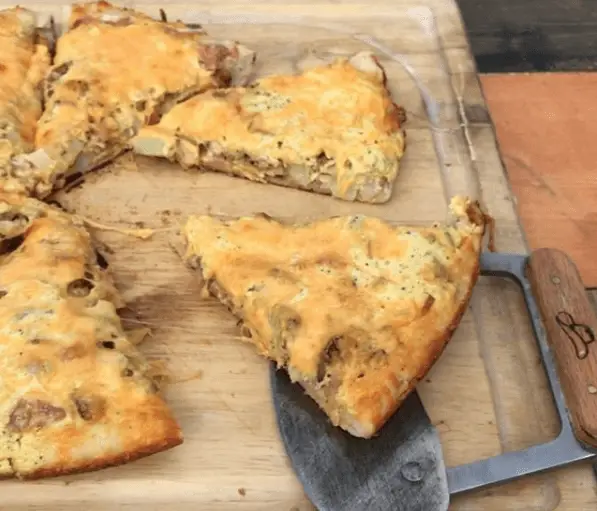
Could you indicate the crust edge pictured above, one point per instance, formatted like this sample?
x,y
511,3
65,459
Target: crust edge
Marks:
x,y
375,427
96,464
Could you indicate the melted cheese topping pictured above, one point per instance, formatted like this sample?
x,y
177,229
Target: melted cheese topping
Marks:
x,y
336,121
75,394
355,308
114,71
23,64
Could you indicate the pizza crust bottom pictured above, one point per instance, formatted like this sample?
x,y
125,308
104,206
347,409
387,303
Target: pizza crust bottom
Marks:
x,y
8,470
371,189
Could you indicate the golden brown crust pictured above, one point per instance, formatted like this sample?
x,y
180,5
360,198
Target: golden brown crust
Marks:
x,y
356,310
171,439
76,395
436,349
90,12
115,70
332,129
23,65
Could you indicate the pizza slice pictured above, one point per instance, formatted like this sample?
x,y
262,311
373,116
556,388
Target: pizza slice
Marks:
x,y
75,394
355,309
116,70
24,61
332,129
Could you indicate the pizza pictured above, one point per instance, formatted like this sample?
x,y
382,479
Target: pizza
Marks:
x,y
24,61
355,309
114,71
75,394
332,129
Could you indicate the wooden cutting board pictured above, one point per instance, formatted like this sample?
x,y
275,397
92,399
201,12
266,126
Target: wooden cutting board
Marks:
x,y
487,393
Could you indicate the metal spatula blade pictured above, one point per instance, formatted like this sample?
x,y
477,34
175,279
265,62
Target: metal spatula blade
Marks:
x,y
401,469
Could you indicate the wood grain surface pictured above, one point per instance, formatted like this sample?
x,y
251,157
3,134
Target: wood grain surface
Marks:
x,y
544,123
486,395
571,325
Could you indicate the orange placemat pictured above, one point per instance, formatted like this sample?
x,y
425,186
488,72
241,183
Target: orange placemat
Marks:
x,y
547,132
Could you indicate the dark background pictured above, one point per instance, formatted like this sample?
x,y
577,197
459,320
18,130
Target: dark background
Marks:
x,y
532,35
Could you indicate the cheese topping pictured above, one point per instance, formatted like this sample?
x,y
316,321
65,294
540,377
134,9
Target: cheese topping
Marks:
x,y
23,65
354,308
333,124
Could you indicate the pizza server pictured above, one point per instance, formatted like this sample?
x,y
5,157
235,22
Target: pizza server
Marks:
x,y
402,468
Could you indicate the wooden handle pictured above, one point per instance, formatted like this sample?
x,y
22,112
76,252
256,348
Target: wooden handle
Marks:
x,y
571,328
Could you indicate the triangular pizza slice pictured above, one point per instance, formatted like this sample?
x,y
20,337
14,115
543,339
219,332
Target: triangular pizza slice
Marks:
x,y
75,393
332,129
114,71
356,310
24,62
